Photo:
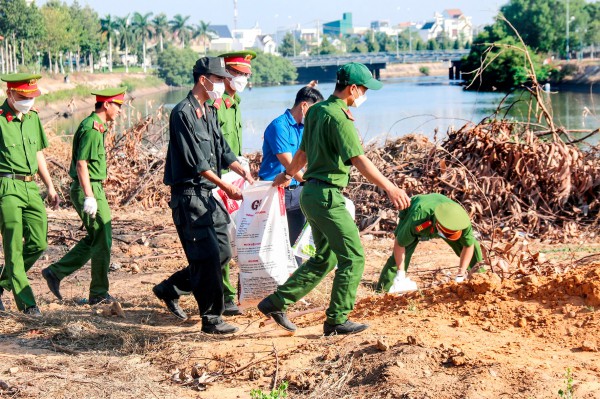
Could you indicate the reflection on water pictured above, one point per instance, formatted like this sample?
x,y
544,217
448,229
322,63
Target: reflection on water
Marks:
x,y
403,106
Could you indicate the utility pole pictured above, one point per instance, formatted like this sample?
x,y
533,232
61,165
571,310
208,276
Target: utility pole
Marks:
x,y
235,14
568,23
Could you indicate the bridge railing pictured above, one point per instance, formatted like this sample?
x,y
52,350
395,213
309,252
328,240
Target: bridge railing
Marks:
x,y
380,57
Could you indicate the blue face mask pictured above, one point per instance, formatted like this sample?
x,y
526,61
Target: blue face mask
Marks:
x,y
442,235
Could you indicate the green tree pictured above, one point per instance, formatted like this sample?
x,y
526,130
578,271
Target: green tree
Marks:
x,y
324,48
503,67
290,46
201,32
108,30
592,32
175,66
124,30
87,38
272,69
432,44
180,28
355,44
385,42
60,35
160,24
542,23
142,28
22,26
372,44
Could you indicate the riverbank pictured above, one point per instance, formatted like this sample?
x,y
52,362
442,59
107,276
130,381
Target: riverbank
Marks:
x,y
414,70
61,97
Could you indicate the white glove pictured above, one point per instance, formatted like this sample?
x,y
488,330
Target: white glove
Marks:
x,y
402,283
90,206
459,279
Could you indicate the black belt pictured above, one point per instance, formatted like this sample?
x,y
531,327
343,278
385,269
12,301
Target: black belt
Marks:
x,y
190,190
16,176
292,188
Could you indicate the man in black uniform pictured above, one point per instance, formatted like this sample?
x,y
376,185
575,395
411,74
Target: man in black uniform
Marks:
x,y
196,155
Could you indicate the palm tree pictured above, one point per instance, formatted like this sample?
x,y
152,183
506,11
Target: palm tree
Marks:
x,y
122,25
160,24
180,28
202,32
107,29
141,26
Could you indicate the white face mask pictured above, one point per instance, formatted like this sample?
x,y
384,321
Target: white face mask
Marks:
x,y
239,83
23,106
442,235
217,91
359,100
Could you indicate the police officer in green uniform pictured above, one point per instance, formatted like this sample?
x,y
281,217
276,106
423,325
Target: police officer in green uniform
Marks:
x,y
23,219
431,216
196,155
88,171
330,146
238,65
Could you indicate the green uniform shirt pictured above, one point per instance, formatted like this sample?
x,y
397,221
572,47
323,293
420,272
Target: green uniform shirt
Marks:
x,y
421,211
230,121
330,140
88,145
20,141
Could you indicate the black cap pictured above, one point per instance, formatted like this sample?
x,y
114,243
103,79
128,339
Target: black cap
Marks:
x,y
211,66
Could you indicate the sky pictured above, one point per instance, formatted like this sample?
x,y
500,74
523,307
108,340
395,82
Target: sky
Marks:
x,y
274,15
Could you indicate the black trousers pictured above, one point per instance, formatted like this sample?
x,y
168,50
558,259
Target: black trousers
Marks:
x,y
201,224
295,217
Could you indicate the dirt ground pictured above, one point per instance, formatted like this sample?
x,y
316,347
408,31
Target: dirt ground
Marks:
x,y
486,338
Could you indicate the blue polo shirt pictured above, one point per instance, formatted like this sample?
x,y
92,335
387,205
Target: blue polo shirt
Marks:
x,y
282,135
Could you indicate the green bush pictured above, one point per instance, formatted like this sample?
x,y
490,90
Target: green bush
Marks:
x,y
270,69
424,70
506,66
278,393
175,66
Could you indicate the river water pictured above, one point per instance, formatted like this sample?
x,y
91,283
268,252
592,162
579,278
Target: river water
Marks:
x,y
408,105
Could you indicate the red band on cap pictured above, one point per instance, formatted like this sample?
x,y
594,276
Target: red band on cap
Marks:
x,y
119,98
25,87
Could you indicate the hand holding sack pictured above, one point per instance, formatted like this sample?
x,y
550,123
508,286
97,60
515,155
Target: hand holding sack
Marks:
x,y
90,206
402,284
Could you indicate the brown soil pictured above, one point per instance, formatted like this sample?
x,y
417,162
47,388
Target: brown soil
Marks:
x,y
486,338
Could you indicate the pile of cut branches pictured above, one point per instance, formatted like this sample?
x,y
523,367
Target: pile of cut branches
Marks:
x,y
505,178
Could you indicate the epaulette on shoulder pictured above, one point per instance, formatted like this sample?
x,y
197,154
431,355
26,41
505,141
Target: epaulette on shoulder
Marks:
x,y
348,114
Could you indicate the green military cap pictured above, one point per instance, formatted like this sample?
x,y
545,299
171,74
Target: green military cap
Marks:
x,y
23,83
355,73
452,216
114,95
239,60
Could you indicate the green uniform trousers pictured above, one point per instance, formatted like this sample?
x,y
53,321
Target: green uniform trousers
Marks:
x,y
386,278
337,242
24,228
95,245
229,291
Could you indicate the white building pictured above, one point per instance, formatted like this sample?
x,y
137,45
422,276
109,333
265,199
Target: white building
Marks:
x,y
246,37
266,44
452,22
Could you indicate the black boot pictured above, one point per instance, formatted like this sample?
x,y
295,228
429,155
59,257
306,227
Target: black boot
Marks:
x,y
220,328
165,292
52,281
348,327
33,311
268,309
2,308
231,309
106,298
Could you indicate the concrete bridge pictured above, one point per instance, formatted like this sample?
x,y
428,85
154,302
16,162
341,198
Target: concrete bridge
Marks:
x,y
323,67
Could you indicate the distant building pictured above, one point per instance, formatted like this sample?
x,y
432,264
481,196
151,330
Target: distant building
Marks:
x,y
221,38
266,44
246,37
452,22
340,27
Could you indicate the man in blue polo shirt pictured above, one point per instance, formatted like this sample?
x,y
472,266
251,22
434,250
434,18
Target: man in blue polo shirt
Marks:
x,y
281,141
